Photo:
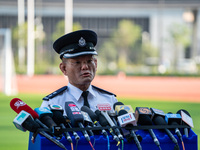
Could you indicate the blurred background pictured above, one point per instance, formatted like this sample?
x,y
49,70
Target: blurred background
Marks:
x,y
148,49
148,37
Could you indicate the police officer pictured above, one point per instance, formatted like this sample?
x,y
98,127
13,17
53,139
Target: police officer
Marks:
x,y
79,64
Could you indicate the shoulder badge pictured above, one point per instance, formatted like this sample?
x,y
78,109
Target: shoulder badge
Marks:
x,y
54,93
102,90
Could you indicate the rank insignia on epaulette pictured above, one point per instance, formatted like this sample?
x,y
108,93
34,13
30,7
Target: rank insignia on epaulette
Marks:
x,y
54,93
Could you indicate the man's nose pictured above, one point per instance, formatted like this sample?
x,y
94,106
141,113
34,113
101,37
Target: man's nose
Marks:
x,y
84,65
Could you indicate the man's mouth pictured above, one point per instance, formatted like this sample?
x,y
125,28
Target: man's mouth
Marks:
x,y
85,74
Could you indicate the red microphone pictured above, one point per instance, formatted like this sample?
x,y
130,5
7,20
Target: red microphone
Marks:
x,y
18,105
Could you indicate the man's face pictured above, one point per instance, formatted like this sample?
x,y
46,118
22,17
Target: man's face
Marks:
x,y
80,70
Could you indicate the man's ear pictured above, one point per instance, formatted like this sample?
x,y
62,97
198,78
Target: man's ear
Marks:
x,y
63,68
95,61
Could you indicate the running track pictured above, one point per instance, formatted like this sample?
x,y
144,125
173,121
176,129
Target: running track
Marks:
x,y
165,88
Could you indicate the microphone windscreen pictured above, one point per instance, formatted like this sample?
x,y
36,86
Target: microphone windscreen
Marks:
x,y
31,125
18,105
97,112
73,113
172,122
144,120
58,117
103,121
122,112
185,111
117,103
92,115
159,120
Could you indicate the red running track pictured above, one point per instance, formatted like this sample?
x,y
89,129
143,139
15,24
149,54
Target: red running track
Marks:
x,y
165,88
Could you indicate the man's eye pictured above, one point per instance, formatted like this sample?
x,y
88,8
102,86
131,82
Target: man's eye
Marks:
x,y
78,62
89,61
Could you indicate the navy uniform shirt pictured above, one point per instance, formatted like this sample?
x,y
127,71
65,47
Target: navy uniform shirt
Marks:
x,y
72,93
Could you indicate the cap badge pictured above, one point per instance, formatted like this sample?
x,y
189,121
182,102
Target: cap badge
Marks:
x,y
81,42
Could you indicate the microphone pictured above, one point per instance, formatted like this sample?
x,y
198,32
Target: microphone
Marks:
x,y
142,115
18,105
76,117
24,121
126,119
104,123
186,120
175,119
94,118
59,119
45,115
119,106
88,122
103,108
158,119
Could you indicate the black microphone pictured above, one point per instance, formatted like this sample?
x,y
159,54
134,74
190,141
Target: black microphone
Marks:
x,y
45,116
94,118
117,103
59,119
174,119
25,121
104,123
126,119
103,108
186,120
87,122
76,117
142,115
158,119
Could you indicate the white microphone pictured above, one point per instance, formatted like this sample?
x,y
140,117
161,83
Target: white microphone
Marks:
x,y
103,108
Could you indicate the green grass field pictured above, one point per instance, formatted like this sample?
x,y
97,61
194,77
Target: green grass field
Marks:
x,y
13,139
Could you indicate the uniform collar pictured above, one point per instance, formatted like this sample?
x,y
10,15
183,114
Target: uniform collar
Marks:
x,y
76,92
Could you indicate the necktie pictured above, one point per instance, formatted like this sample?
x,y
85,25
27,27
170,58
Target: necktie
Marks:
x,y
85,94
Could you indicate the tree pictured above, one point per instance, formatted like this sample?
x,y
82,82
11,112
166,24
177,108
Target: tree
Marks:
x,y
180,38
120,46
60,29
125,37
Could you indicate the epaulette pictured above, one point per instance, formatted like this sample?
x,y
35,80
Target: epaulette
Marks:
x,y
54,93
102,90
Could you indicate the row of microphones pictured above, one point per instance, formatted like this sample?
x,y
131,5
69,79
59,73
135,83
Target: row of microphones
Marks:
x,y
119,120
147,117
27,119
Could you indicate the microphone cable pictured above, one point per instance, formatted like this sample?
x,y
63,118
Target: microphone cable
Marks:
x,y
122,144
77,138
94,142
183,145
72,148
76,144
180,137
108,142
91,145
159,147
